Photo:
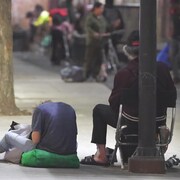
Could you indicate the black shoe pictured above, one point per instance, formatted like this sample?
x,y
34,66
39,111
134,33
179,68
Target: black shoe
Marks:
x,y
90,79
172,161
101,79
109,155
12,125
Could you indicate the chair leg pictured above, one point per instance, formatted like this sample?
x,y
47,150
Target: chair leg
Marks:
x,y
121,158
162,152
114,155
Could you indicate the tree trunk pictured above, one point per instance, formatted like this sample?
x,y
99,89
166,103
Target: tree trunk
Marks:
x,y
7,99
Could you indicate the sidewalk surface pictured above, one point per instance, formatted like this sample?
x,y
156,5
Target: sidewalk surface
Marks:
x,y
32,85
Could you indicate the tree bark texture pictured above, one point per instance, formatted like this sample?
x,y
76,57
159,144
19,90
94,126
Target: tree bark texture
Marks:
x,y
7,99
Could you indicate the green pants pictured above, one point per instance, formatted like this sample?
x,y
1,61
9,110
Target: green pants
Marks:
x,y
93,60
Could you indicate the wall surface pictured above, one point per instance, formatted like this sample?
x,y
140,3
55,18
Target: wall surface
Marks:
x,y
21,7
129,10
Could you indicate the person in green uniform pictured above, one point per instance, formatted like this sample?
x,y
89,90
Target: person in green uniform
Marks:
x,y
95,28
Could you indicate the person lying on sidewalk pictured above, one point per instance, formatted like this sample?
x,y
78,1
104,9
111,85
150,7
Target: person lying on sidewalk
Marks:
x,y
104,115
53,127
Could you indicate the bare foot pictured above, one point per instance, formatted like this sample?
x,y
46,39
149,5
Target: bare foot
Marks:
x,y
100,158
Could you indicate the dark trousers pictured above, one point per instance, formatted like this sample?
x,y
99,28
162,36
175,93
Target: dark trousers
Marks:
x,y
103,116
58,50
32,34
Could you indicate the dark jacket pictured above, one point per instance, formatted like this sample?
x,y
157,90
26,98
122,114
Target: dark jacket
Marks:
x,y
128,77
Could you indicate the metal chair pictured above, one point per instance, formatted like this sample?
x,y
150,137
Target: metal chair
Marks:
x,y
161,144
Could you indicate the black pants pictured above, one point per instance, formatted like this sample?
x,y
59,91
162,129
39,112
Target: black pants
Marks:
x,y
58,50
103,116
32,34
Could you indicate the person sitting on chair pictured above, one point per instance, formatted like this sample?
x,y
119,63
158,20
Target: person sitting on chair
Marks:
x,y
104,115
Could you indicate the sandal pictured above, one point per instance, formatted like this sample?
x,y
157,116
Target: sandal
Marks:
x,y
89,160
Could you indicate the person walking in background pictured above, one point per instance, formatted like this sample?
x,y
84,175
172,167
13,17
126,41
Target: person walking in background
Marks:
x,y
61,33
78,36
39,20
95,29
80,15
57,44
116,22
175,39
32,29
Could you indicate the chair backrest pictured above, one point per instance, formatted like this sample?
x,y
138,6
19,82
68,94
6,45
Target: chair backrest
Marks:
x,y
120,143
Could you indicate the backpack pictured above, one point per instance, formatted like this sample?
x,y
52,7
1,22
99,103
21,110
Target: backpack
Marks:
x,y
163,56
72,73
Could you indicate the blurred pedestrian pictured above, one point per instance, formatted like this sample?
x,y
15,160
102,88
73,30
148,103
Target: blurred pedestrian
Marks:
x,y
116,22
80,18
61,32
41,22
32,29
57,45
78,38
95,28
